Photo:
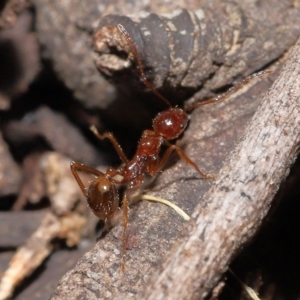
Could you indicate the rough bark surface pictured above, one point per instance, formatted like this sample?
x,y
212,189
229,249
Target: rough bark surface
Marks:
x,y
212,134
226,218
153,227
196,51
241,196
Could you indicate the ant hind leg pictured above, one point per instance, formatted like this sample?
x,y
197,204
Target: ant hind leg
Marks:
x,y
184,156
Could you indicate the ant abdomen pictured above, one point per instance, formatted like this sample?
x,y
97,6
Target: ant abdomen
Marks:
x,y
170,123
102,197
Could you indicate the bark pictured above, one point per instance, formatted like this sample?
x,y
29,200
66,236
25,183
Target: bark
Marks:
x,y
227,41
154,227
241,196
212,134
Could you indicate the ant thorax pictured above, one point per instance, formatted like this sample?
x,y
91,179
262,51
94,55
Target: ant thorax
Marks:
x,y
149,143
146,157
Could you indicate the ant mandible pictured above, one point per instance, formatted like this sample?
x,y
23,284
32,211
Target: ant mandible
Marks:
x,y
101,194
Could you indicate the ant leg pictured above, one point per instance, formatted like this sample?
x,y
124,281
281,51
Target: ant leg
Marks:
x,y
229,92
184,156
140,65
109,135
125,223
75,167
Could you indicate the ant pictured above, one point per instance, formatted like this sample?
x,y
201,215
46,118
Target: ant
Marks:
x,y
101,194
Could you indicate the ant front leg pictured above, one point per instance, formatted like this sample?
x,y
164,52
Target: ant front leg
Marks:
x,y
231,91
113,140
184,156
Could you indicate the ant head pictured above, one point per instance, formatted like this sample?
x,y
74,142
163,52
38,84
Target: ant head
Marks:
x,y
170,123
102,197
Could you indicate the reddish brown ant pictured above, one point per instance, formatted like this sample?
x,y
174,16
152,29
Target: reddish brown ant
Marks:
x,y
102,195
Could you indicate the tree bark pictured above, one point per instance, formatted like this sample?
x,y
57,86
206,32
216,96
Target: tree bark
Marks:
x,y
212,134
241,196
225,219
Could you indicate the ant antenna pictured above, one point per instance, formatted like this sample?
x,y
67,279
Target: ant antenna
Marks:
x,y
140,65
229,92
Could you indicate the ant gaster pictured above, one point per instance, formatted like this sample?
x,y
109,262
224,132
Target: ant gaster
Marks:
x,y
101,194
